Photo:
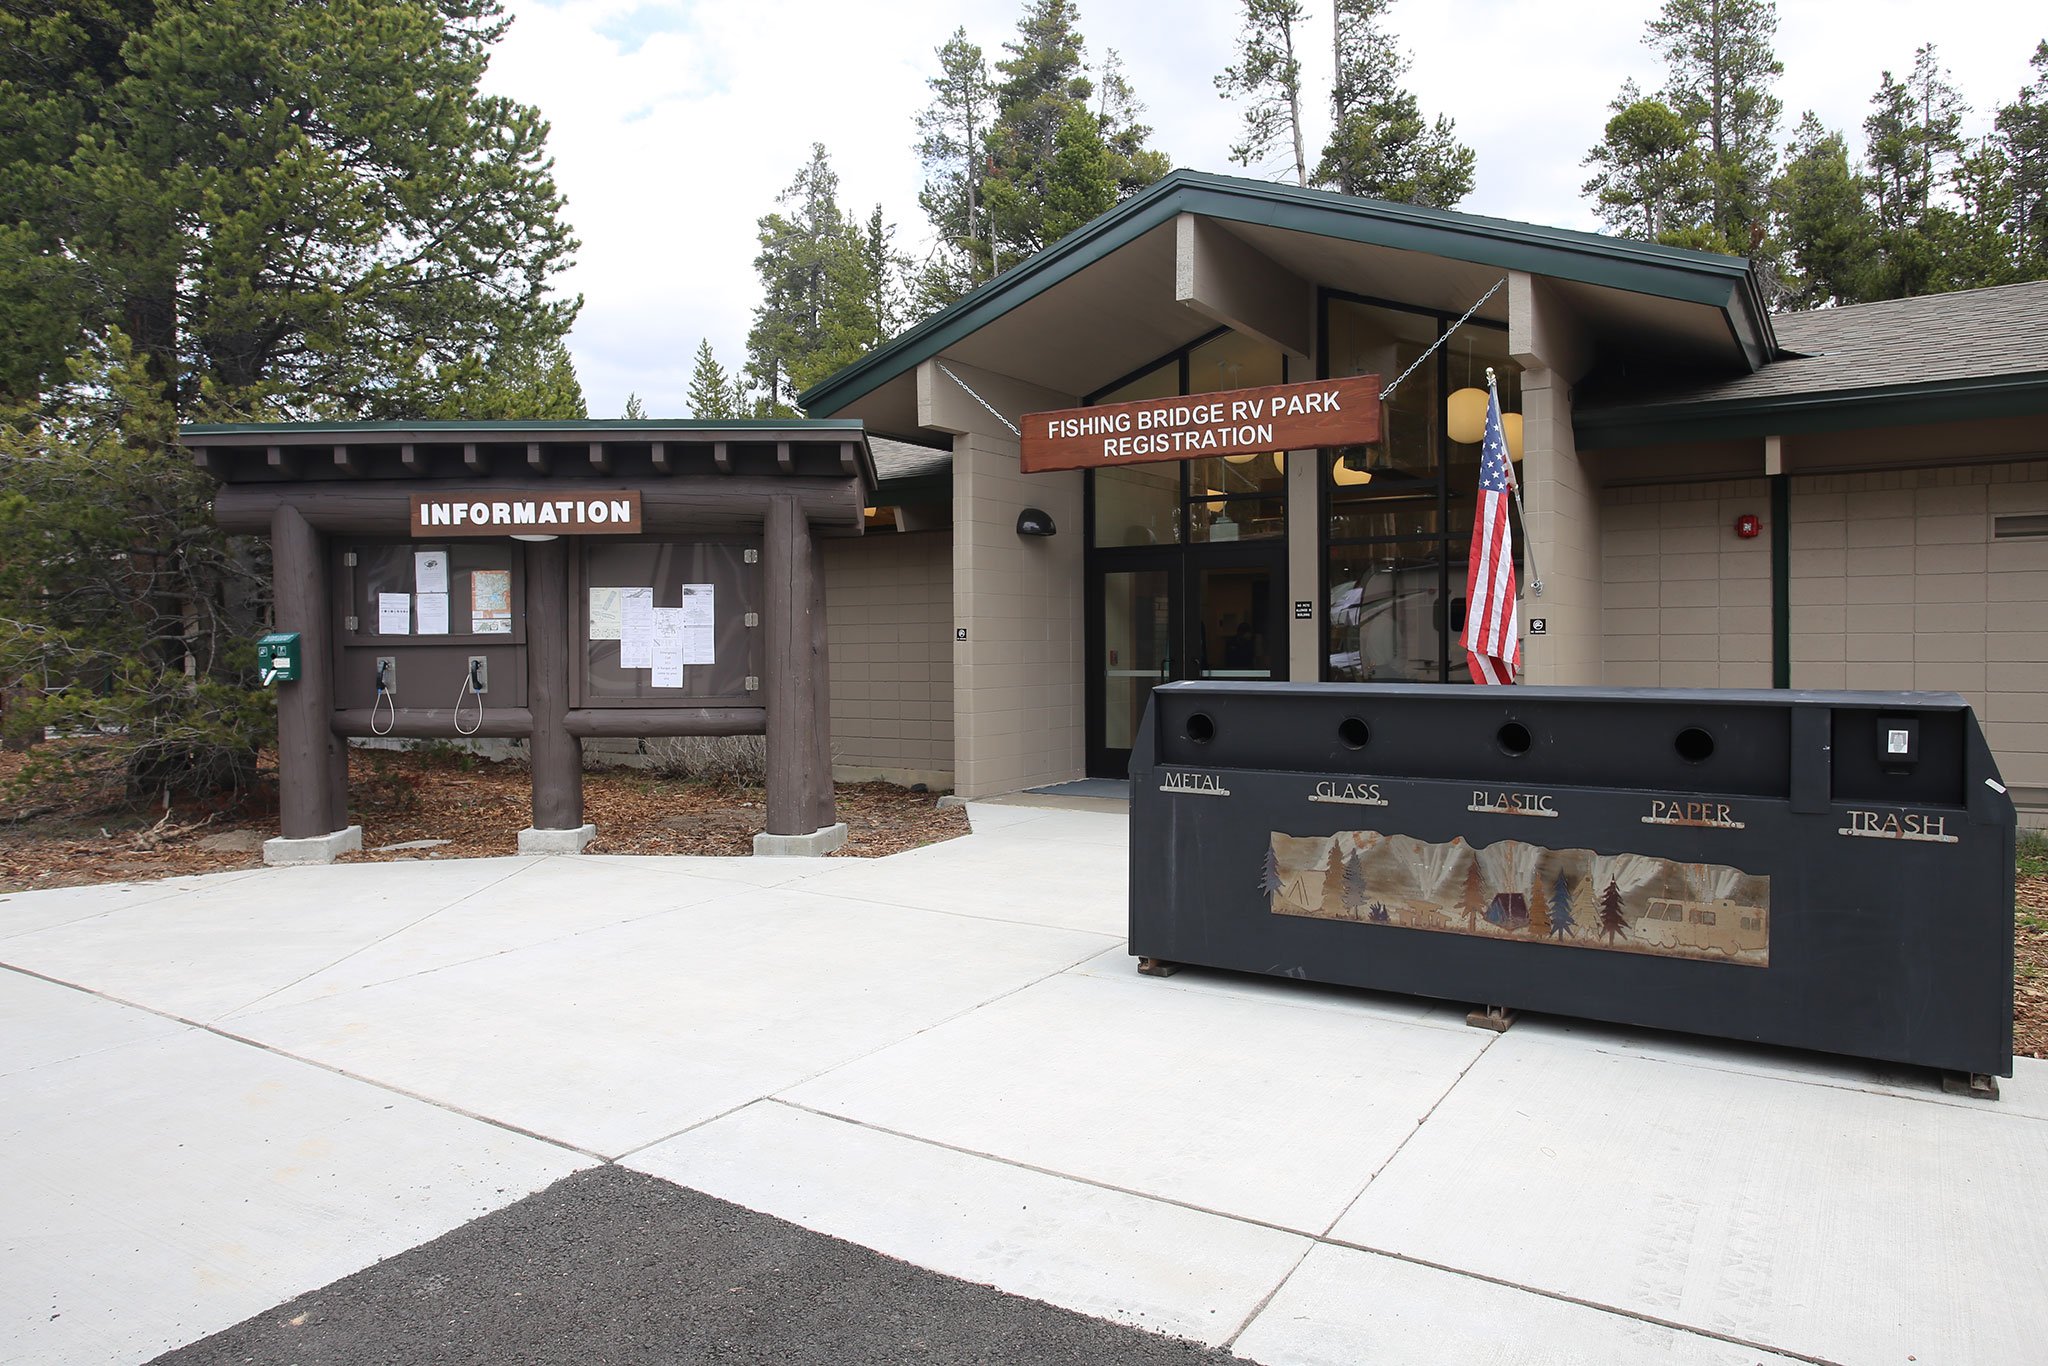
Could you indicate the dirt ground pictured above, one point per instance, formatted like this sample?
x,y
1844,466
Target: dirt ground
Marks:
x,y
58,839
61,839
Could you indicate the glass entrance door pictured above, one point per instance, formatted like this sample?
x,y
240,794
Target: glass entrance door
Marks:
x,y
1156,616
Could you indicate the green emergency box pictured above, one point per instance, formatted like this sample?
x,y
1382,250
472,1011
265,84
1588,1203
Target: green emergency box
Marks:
x,y
277,655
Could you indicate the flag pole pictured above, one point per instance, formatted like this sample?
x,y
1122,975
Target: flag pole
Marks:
x,y
1515,487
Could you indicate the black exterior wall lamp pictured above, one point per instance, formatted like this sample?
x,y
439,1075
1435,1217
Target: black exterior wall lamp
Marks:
x,y
1035,522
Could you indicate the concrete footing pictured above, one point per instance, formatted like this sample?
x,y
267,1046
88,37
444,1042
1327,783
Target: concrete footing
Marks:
x,y
532,841
281,852
817,844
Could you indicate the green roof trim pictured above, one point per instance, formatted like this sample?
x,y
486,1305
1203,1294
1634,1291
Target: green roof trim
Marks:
x,y
1835,410
566,427
1589,258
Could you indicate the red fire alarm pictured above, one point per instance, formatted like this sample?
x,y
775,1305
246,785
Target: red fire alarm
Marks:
x,y
1747,525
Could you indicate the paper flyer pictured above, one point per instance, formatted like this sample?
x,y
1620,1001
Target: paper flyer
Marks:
x,y
700,641
429,573
668,636
604,613
636,628
433,614
394,614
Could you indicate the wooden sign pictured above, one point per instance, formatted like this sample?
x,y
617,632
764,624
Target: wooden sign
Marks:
x,y
439,515
1279,417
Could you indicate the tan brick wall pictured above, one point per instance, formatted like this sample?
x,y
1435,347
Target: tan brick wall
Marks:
x,y
1896,583
1017,679
1685,602
889,619
1564,524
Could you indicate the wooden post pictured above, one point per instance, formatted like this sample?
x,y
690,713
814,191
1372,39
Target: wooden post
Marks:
x,y
312,762
824,808
557,755
786,573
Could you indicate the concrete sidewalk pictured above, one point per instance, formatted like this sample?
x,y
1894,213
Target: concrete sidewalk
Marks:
x,y
218,1093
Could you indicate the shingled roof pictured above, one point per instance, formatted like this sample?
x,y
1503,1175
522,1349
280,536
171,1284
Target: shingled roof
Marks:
x,y
1974,352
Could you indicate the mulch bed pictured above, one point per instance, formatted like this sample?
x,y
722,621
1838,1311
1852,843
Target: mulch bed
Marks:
x,y
479,807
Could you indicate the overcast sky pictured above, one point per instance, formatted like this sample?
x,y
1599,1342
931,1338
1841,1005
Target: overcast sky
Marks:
x,y
676,124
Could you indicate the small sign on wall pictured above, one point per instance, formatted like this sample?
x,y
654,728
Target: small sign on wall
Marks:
x,y
959,633
1539,626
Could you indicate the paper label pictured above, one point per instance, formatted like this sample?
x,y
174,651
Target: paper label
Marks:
x,y
604,613
434,614
636,628
429,573
394,614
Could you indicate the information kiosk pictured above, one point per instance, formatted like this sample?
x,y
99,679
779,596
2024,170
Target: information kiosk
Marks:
x,y
548,582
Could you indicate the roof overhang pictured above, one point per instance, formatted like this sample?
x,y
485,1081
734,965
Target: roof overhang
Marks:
x,y
1950,400
1103,301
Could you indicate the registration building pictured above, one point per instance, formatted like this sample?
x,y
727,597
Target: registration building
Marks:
x,y
1716,496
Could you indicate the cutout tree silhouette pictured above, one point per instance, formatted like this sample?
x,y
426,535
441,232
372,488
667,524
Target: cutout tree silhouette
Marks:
x,y
1612,922
1561,920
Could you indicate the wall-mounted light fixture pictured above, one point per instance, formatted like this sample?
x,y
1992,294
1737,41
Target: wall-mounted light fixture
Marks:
x,y
534,536
1035,522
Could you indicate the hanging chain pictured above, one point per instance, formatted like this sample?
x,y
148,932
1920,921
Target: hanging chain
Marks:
x,y
979,399
1438,342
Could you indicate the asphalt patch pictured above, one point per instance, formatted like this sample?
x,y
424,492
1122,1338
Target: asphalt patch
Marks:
x,y
611,1267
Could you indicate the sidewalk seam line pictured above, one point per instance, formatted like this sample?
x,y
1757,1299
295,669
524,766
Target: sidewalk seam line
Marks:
x,y
229,1036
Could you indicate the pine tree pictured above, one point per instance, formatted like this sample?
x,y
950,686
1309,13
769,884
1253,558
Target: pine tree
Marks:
x,y
636,411
1539,913
309,209
1560,920
1354,884
1053,161
1721,66
1380,145
1270,881
1583,910
952,133
712,396
822,290
1653,182
2020,132
1475,895
1612,923
1267,76
1830,236
1913,144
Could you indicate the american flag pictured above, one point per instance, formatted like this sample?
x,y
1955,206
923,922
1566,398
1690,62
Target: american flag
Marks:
x,y
1493,646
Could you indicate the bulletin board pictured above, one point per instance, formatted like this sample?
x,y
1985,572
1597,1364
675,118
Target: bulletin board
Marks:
x,y
667,622
423,593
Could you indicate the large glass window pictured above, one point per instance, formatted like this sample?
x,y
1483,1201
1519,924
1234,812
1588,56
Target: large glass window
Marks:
x,y
1398,512
1214,498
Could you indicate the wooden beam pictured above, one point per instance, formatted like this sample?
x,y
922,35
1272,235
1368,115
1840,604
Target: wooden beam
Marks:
x,y
824,804
383,507
475,461
432,723
409,460
592,722
556,756
283,461
662,463
348,462
721,457
536,458
312,765
601,463
789,667
849,459
784,459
